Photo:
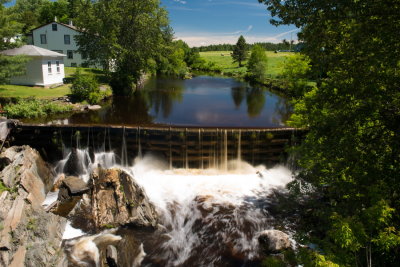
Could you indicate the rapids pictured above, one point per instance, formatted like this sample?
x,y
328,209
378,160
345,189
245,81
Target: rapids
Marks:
x,y
209,217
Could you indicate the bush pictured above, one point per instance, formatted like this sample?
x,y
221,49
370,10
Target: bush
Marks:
x,y
86,88
34,108
257,64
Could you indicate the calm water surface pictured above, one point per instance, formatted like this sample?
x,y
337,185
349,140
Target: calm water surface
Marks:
x,y
201,101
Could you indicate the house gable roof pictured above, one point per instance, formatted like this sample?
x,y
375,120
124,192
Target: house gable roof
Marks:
x,y
63,24
31,50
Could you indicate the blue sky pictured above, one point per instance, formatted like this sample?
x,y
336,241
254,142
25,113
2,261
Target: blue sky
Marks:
x,y
204,22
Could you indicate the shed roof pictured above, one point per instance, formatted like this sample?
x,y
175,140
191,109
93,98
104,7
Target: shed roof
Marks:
x,y
31,50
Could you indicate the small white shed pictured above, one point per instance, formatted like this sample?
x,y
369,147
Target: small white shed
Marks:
x,y
46,67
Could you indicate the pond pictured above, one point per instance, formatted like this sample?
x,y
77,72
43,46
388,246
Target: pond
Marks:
x,y
204,101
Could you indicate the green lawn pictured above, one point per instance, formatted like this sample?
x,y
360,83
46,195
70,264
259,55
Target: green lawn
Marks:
x,y
7,90
47,93
223,60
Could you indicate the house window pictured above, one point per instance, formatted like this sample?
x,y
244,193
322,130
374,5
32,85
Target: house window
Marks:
x,y
84,55
58,66
67,39
49,67
54,27
43,39
70,54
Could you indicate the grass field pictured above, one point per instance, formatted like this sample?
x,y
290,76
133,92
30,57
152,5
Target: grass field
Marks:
x,y
33,91
223,60
9,90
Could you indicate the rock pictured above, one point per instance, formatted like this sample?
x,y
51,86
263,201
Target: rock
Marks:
x,y
118,200
76,163
90,250
75,185
114,199
111,256
273,241
29,235
93,107
70,192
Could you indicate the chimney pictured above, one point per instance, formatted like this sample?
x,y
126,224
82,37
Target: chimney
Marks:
x,y
55,18
70,23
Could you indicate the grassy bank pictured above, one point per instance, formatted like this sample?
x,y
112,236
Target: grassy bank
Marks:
x,y
223,61
21,91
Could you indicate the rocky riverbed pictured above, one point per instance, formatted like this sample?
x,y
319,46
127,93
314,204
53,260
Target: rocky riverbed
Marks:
x,y
112,211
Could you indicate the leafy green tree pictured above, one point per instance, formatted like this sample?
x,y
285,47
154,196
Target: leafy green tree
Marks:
x,y
28,13
124,36
9,28
297,74
239,53
257,63
351,154
50,10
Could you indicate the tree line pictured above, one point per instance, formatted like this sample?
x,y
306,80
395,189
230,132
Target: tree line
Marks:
x,y
284,45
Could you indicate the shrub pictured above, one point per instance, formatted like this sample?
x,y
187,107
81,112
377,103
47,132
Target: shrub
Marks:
x,y
86,88
33,108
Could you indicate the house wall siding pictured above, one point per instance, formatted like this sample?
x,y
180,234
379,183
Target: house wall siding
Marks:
x,y
37,72
33,75
55,42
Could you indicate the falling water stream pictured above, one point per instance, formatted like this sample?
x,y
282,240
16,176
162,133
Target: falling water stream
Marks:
x,y
208,216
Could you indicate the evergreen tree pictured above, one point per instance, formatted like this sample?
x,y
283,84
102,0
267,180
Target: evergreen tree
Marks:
x,y
239,53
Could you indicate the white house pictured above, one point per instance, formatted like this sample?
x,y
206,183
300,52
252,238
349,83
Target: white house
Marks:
x,y
58,37
46,68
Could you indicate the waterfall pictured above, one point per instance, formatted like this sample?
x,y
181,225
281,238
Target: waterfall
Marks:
x,y
239,150
124,152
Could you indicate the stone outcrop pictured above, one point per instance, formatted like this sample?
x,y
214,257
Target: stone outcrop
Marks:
x,y
29,235
274,241
71,189
116,199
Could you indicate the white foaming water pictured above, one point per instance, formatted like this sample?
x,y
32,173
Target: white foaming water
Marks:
x,y
71,232
204,210
209,216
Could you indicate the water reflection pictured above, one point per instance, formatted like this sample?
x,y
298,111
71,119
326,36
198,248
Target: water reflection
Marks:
x,y
201,101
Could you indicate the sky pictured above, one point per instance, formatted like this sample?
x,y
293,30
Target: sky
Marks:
x,y
205,22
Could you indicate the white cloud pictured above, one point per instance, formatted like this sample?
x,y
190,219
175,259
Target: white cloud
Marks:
x,y
249,28
180,1
201,39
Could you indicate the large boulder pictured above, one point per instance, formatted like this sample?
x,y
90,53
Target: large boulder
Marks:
x,y
274,241
114,199
29,235
118,200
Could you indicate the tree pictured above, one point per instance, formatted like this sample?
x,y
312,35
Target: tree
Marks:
x,y
257,64
351,154
9,28
28,13
297,74
239,53
124,36
50,10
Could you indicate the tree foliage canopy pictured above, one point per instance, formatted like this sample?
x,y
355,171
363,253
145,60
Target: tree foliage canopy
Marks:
x,y
257,64
125,36
352,150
